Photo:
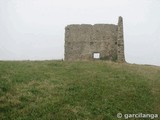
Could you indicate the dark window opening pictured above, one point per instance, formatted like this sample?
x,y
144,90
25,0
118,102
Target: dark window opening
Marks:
x,y
91,43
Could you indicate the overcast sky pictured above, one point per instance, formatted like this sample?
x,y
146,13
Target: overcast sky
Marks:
x,y
34,29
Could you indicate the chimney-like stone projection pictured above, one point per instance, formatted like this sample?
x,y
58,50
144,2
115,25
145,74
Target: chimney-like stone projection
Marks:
x,y
99,41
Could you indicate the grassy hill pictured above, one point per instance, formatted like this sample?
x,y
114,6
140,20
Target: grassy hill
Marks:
x,y
93,90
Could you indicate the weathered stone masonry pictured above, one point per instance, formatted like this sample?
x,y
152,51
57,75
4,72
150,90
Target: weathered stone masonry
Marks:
x,y
83,41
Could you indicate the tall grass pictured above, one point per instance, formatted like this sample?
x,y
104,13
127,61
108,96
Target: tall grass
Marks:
x,y
94,90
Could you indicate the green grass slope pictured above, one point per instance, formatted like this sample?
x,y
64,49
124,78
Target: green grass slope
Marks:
x,y
93,90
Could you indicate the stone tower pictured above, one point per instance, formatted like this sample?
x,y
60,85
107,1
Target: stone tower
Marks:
x,y
99,41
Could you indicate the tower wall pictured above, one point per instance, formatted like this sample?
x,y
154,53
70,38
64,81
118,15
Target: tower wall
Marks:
x,y
120,41
82,41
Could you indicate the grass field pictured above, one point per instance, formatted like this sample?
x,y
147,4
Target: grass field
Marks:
x,y
95,90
